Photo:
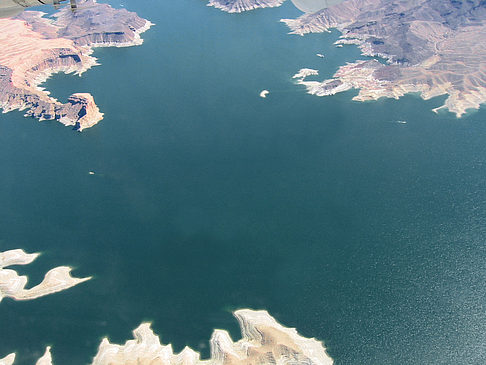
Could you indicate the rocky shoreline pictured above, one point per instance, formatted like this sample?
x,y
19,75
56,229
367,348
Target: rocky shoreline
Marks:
x,y
264,342
431,47
33,48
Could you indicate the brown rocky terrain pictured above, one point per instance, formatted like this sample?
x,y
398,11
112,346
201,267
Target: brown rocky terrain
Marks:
x,y
433,47
32,48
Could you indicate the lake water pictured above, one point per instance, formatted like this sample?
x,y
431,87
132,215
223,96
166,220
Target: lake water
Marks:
x,y
362,232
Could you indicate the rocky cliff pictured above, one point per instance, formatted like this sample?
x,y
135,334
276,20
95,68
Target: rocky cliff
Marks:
x,y
32,48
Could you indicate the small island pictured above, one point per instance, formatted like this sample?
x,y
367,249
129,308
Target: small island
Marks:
x,y
34,47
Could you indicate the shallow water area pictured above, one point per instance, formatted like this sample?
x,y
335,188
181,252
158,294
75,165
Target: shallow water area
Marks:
x,y
342,222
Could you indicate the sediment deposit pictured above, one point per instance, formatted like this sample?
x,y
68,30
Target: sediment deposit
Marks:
x,y
33,47
13,285
264,342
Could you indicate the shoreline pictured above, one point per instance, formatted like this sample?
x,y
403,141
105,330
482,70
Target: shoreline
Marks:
x,y
70,53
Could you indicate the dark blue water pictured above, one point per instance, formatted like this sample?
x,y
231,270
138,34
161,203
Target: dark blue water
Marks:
x,y
362,232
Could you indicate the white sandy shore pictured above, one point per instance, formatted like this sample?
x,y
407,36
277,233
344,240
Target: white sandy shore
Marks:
x,y
12,284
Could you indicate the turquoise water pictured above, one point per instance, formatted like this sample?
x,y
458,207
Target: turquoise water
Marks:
x,y
359,231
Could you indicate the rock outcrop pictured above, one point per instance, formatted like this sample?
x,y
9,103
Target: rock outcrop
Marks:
x,y
264,342
238,6
32,48
13,285
433,47
80,111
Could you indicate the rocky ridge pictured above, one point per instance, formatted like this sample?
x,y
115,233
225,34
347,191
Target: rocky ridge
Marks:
x,y
239,6
32,48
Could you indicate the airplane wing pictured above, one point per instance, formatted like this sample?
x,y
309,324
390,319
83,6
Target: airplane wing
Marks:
x,y
9,8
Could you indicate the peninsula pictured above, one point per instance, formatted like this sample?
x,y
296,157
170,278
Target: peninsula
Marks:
x,y
33,47
13,285
430,47
264,341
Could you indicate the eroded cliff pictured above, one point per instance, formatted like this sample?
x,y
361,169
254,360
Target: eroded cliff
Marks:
x,y
32,48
